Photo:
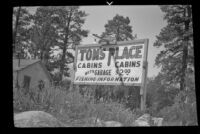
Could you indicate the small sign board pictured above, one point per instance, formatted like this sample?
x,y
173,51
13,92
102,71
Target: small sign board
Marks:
x,y
118,64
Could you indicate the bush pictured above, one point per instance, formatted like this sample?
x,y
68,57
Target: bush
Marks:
x,y
48,100
181,112
71,106
75,105
114,111
79,107
21,101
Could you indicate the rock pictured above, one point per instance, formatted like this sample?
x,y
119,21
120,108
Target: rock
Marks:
x,y
96,122
141,123
145,120
112,124
100,123
157,121
36,119
142,120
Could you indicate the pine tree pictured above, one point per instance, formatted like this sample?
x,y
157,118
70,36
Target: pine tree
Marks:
x,y
68,22
118,28
43,35
21,29
177,39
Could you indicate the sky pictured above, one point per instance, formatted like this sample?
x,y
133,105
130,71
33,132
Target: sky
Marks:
x,y
146,21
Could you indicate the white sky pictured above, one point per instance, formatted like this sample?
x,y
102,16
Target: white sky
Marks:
x,y
146,22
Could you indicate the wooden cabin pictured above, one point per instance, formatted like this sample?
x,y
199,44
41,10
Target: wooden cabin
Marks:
x,y
30,73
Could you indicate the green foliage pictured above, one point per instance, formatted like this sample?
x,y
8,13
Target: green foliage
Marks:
x,y
175,106
21,31
181,112
50,99
117,112
82,107
177,40
75,105
71,106
21,101
128,96
48,30
171,94
118,28
68,22
43,34
160,95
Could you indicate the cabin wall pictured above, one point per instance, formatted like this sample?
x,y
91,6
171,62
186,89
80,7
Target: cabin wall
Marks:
x,y
36,73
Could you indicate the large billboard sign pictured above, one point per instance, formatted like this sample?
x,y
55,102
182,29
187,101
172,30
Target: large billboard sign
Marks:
x,y
117,64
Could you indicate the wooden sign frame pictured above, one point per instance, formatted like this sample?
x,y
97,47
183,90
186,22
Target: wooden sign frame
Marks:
x,y
144,71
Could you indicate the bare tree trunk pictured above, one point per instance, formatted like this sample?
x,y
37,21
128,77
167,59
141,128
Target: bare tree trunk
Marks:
x,y
15,34
185,49
65,45
16,24
184,66
44,57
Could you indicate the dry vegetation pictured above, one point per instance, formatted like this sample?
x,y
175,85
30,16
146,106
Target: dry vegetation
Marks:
x,y
71,107
74,109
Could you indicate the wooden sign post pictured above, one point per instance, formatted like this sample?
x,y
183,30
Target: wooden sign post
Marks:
x,y
144,77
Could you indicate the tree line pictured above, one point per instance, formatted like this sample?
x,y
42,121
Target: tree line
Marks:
x,y
172,91
52,29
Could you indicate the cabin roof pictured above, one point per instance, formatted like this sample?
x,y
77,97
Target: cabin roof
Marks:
x,y
24,63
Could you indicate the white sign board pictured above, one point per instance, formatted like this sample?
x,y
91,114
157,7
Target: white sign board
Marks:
x,y
111,64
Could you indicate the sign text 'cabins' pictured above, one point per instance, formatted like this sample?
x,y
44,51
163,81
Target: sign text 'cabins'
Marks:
x,y
111,64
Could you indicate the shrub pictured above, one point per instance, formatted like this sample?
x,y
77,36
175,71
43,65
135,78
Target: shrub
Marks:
x,y
75,105
49,100
71,106
112,111
21,101
182,113
120,113
79,107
